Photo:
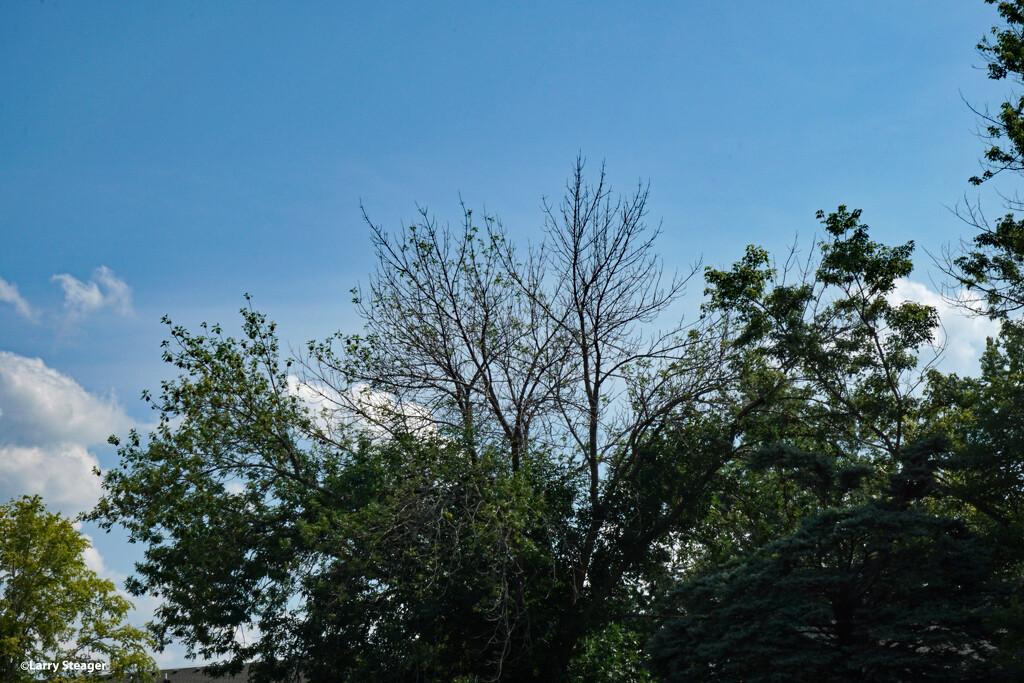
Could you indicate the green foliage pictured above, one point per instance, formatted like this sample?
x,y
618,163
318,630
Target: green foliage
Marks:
x,y
611,655
52,606
353,558
502,478
985,472
232,476
1005,54
834,549
433,564
878,592
834,335
828,361
772,476
985,417
991,265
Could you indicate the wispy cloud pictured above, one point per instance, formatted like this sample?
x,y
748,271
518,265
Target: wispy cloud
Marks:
x,y
103,290
9,294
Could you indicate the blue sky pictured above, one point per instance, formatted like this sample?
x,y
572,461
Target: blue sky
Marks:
x,y
165,158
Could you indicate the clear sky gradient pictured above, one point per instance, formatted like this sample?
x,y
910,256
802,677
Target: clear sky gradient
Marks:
x,y
164,158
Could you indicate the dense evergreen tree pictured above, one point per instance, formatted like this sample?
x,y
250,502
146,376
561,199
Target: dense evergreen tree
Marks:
x,y
878,592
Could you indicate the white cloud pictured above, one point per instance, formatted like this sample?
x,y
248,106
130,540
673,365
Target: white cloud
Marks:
x,y
41,406
360,407
963,335
103,290
9,294
47,424
381,410
61,474
95,562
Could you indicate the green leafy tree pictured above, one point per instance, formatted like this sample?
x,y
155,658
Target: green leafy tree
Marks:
x,y
53,608
825,553
982,415
611,655
352,557
990,266
985,417
836,353
984,476
830,360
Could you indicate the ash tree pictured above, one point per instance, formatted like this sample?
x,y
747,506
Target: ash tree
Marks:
x,y
984,475
492,473
835,363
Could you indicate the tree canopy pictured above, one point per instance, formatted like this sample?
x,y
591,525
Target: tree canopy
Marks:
x,y
875,592
53,608
787,457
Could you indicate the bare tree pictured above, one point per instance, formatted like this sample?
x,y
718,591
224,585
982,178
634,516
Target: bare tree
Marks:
x,y
450,339
487,346
552,353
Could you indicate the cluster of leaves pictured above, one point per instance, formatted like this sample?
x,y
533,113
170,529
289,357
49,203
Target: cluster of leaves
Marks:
x,y
990,267
438,548
1005,54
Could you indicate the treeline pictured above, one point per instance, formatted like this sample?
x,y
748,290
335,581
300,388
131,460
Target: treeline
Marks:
x,y
516,472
